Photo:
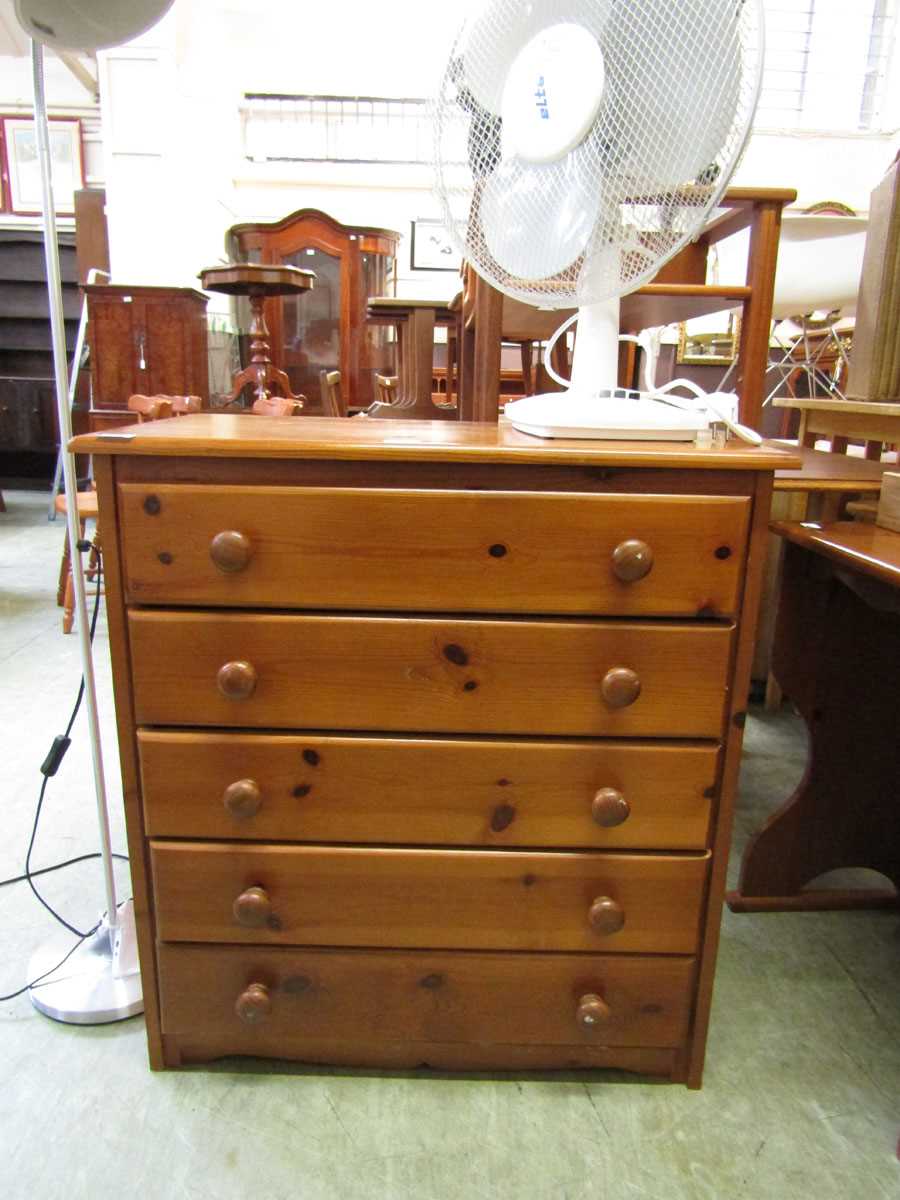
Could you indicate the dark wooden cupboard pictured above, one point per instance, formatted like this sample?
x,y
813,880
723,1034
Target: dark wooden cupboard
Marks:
x,y
144,340
28,423
325,328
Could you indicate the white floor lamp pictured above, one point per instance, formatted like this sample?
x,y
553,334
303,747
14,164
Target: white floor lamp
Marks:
x,y
99,980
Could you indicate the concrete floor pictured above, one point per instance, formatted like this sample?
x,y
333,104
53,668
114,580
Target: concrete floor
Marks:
x,y
802,1091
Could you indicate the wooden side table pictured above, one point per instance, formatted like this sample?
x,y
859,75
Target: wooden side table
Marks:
x,y
837,645
258,283
415,322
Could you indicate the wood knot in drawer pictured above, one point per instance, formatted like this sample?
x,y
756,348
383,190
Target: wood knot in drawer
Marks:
x,y
152,505
433,981
502,817
456,655
312,757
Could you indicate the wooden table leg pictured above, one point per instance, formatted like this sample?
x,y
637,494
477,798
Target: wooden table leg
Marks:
x,y
415,350
837,645
261,372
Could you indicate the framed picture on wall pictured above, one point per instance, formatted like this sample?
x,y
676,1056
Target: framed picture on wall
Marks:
x,y
23,171
709,341
431,248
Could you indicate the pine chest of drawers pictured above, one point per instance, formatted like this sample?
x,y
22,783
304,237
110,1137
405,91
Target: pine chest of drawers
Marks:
x,y
429,736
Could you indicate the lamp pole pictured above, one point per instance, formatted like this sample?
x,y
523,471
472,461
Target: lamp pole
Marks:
x,y
100,981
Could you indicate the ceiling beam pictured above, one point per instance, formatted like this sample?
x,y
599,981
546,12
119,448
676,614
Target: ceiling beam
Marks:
x,y
87,80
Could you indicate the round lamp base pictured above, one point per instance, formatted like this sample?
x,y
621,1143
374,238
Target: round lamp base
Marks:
x,y
84,990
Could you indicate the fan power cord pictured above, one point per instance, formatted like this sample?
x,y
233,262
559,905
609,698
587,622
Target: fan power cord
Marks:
x,y
715,403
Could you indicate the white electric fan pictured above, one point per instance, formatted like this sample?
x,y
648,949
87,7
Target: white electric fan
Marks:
x,y
579,144
98,980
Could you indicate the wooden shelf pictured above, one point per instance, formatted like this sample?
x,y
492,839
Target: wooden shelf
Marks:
x,y
666,303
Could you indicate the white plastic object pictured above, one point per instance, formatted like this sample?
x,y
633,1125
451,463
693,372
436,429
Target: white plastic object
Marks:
x,y
552,94
576,414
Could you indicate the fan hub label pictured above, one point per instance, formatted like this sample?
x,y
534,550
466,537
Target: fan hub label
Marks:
x,y
552,94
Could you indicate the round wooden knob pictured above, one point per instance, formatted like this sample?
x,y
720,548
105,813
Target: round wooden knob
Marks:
x,y
592,1011
620,687
242,798
237,680
230,550
632,560
253,908
254,1004
610,808
606,916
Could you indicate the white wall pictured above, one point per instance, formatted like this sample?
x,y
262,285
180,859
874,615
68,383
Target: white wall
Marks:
x,y
175,172
176,177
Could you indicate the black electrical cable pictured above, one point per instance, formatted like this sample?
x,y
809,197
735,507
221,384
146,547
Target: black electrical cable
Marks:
x,y
62,961
70,862
29,986
60,745
49,768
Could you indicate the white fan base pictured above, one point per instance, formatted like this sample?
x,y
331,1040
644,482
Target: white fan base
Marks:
x,y
578,415
97,984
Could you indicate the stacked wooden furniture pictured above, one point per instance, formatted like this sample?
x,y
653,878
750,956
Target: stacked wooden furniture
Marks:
x,y
430,736
147,340
836,651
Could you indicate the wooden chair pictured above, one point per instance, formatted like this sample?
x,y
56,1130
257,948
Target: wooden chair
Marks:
x,y
183,405
386,389
65,590
332,399
150,408
145,408
276,406
488,320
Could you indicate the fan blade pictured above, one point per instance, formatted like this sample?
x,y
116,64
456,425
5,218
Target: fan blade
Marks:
x,y
536,220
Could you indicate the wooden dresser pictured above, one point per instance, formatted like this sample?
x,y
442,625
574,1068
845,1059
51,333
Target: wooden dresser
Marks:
x,y
430,735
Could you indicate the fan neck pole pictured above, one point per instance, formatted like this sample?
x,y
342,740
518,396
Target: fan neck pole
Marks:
x,y
595,363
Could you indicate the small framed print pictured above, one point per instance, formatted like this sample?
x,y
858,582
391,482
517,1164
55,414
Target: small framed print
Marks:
x,y
430,247
23,170
709,341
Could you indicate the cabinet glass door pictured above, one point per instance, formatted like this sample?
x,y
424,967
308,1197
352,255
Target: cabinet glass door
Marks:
x,y
311,323
377,342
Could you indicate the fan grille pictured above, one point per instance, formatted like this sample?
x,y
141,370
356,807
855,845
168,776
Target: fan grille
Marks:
x,y
681,85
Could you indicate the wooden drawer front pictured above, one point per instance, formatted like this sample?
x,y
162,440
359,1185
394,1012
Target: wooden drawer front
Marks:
x,y
264,1000
460,676
427,791
449,899
431,551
